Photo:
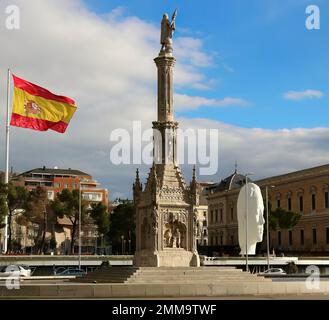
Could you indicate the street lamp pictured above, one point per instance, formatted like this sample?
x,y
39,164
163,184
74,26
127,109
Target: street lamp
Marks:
x,y
80,225
246,176
267,228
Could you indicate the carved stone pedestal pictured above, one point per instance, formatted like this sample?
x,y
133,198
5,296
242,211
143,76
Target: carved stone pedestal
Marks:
x,y
166,258
165,224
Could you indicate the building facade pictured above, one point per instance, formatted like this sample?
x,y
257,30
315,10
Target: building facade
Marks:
x,y
55,180
60,229
201,211
305,192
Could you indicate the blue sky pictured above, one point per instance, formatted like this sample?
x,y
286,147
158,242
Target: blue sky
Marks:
x,y
259,50
241,65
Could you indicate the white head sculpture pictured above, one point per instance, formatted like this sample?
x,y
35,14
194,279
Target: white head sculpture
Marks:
x,y
252,195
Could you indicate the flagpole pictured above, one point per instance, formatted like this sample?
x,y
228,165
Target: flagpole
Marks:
x,y
5,246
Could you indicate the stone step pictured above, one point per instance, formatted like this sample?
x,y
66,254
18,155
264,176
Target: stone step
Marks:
x,y
187,281
203,281
163,275
204,269
108,274
192,278
175,276
188,272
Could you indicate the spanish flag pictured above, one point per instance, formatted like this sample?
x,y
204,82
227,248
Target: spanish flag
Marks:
x,y
39,109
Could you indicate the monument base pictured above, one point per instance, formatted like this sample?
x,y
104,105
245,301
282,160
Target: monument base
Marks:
x,y
166,258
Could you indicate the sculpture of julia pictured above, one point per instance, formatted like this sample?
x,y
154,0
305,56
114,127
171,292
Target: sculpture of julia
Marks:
x,y
255,220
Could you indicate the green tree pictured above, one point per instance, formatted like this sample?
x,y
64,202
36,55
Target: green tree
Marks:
x,y
99,213
100,216
122,223
283,219
279,219
16,201
3,204
292,268
36,211
67,204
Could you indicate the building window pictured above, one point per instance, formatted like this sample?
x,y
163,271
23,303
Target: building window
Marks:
x,y
314,235
232,239
205,232
216,215
326,199
313,202
289,204
211,215
211,240
278,203
301,203
57,185
279,238
204,223
221,240
216,241
204,242
92,196
290,237
221,215
66,185
231,213
302,237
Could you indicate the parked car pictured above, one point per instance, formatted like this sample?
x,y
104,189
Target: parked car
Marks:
x,y
275,271
15,271
59,270
71,272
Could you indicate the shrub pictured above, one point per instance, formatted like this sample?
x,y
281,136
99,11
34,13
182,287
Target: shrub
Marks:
x,y
292,268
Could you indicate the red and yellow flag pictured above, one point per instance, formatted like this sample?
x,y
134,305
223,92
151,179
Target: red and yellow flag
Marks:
x,y
39,109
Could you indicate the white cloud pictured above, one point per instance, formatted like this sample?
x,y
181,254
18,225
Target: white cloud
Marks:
x,y
186,102
302,95
265,152
190,49
106,65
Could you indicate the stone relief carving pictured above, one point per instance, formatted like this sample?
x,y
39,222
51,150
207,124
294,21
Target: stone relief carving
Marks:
x,y
174,235
155,226
155,220
197,223
172,194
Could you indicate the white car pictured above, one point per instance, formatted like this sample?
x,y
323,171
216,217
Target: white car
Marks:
x,y
273,271
15,271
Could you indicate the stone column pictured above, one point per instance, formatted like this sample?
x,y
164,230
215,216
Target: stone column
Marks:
x,y
165,65
165,137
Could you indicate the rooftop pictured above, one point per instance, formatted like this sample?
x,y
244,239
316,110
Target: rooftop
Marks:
x,y
54,171
234,181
